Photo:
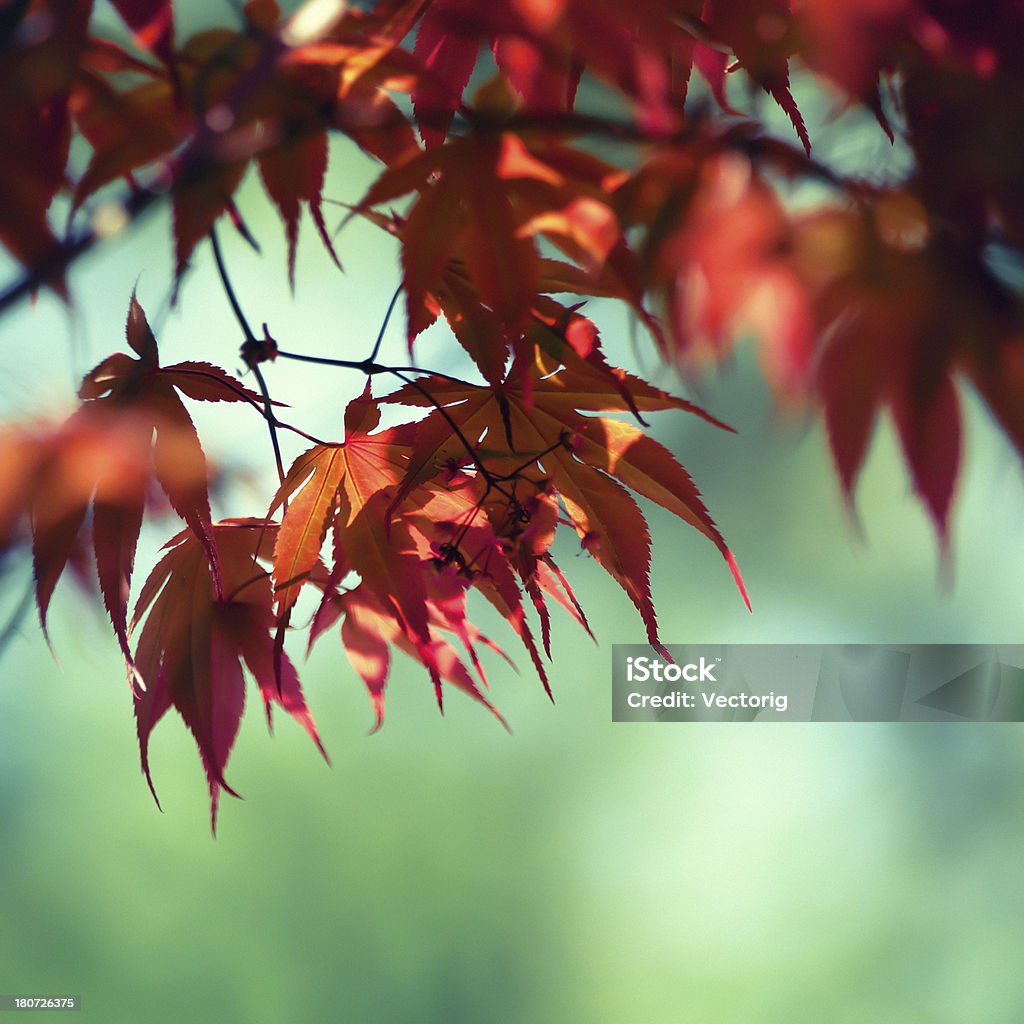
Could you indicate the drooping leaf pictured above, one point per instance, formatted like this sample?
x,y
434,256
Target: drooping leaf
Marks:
x,y
347,487
294,174
762,36
142,386
903,312
719,253
131,427
195,639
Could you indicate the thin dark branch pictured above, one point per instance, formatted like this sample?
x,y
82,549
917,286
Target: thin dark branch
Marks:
x,y
456,429
369,367
372,357
229,290
344,364
243,322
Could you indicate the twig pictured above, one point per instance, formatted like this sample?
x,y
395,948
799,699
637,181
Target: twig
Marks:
x,y
369,367
243,322
384,326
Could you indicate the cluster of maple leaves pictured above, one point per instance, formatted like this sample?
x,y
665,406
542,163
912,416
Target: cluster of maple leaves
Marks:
x,y
501,200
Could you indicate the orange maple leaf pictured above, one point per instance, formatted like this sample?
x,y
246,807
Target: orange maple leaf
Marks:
x,y
532,421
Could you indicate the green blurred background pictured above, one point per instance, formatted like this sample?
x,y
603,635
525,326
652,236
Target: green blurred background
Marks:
x,y
443,870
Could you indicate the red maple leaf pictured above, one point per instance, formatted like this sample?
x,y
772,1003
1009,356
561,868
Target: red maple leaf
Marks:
x,y
156,430
196,637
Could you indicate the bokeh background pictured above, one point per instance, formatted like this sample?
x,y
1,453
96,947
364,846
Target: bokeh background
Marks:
x,y
443,870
